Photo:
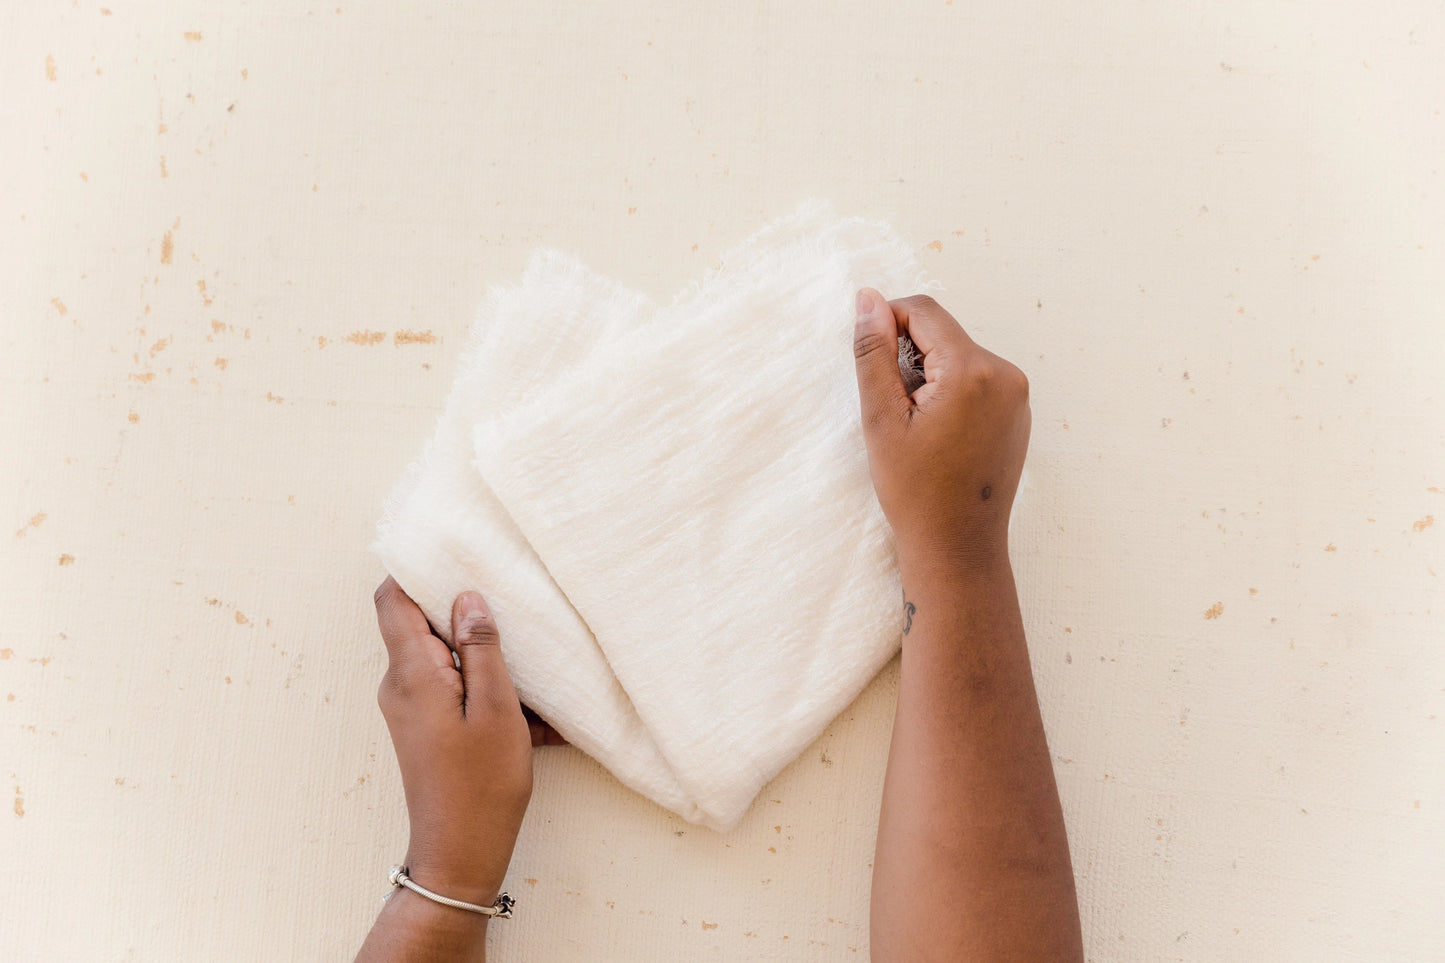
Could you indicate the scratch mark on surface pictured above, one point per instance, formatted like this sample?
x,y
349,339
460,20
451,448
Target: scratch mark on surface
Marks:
x,y
6,653
935,246
59,306
321,341
221,363
708,926
1424,523
193,36
164,172
201,287
366,337
1331,547
34,522
1214,611
276,398
414,337
19,803
241,618
144,378
168,248
50,68
160,346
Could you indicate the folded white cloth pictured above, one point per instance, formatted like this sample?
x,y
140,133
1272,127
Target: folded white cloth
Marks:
x,y
669,509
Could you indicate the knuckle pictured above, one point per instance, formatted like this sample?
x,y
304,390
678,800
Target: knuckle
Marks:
x,y
478,629
919,302
387,694
1019,381
867,343
982,378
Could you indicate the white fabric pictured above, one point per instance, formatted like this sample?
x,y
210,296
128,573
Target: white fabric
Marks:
x,y
669,509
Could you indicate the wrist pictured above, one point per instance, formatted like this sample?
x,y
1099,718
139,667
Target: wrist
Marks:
x,y
922,560
464,883
422,917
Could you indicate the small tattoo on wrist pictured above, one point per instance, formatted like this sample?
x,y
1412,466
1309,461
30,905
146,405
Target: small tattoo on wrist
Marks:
x,y
908,609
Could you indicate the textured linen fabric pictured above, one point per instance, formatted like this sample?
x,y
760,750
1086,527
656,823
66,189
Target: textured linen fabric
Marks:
x,y
669,509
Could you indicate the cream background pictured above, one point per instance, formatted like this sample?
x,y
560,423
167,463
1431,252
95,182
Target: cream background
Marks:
x,y
1212,235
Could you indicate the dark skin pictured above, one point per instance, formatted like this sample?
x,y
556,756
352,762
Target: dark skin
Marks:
x,y
969,800
464,745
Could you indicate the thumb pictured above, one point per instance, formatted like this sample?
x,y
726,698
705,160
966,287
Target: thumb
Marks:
x,y
479,647
881,392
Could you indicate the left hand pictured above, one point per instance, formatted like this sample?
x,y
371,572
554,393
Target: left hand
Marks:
x,y
462,741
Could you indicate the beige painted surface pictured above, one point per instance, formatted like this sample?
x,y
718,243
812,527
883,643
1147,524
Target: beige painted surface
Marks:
x,y
242,242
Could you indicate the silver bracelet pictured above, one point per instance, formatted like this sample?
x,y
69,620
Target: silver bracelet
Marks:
x,y
501,908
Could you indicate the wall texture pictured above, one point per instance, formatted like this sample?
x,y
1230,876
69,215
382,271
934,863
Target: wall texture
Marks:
x,y
241,243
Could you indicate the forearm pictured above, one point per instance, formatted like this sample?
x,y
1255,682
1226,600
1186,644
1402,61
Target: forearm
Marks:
x,y
413,928
972,860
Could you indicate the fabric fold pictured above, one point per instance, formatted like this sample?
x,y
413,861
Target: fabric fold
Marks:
x,y
670,508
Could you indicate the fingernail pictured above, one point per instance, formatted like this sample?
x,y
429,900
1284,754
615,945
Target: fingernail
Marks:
x,y
865,305
470,602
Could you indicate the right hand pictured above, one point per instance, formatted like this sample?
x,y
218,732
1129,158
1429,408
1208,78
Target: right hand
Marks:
x,y
945,460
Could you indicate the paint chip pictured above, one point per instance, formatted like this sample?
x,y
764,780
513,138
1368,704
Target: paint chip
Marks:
x,y
193,36
935,246
1214,611
1424,523
34,522
67,559
59,306
414,337
241,619
366,337
50,68
168,248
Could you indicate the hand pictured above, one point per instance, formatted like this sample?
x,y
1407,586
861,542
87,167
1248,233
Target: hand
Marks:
x,y
462,742
946,459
